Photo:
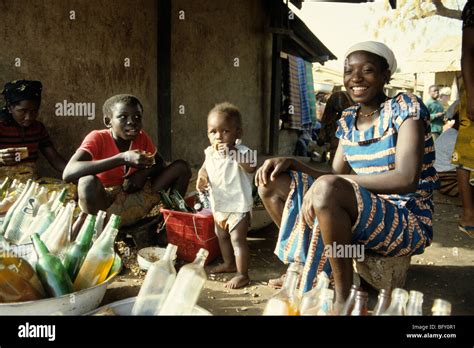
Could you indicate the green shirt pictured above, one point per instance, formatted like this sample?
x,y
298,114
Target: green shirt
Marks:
x,y
435,107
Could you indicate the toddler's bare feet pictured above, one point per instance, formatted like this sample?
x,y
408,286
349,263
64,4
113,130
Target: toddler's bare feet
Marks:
x,y
239,281
224,268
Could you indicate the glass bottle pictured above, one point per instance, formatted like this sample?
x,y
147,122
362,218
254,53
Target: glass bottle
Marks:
x,y
77,251
360,304
4,187
398,302
441,307
310,298
99,224
98,262
284,301
22,269
382,303
11,211
20,218
14,287
78,224
58,237
60,199
50,270
349,304
157,284
187,287
415,303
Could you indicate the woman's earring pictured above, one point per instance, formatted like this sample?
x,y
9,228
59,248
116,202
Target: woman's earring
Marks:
x,y
238,141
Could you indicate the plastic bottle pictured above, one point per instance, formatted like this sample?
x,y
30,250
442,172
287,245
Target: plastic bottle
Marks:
x,y
382,303
441,307
98,262
158,282
398,302
186,289
360,304
284,301
415,303
40,198
311,298
50,270
77,251
349,304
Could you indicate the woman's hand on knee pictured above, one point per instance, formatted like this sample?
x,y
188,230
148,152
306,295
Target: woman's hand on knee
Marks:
x,y
271,168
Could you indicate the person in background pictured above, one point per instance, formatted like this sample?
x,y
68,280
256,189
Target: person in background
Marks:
x,y
463,156
337,102
444,97
436,110
20,128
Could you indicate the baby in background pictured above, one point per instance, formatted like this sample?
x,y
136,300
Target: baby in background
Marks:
x,y
227,172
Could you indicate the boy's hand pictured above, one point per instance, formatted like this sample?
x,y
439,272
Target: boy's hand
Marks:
x,y
138,159
202,182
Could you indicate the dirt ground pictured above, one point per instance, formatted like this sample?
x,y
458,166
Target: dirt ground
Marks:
x,y
445,271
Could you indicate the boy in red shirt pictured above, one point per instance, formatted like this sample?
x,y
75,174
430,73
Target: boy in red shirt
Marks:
x,y
113,165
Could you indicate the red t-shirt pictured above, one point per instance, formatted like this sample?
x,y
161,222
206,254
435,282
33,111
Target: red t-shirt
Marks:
x,y
101,145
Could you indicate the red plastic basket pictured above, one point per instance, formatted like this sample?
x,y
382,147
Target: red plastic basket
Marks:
x,y
190,232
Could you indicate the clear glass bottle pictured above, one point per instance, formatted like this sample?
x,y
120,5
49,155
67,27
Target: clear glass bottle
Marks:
x,y
311,298
187,287
99,224
415,303
157,284
58,237
349,304
398,303
98,262
382,303
441,307
284,302
11,211
360,304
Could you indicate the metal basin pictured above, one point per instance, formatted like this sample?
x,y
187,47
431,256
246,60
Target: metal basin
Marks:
x,y
76,303
124,308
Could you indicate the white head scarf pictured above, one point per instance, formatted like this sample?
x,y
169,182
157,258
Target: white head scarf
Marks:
x,y
379,49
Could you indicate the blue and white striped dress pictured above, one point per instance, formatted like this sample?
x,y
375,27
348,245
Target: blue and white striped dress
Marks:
x,y
391,225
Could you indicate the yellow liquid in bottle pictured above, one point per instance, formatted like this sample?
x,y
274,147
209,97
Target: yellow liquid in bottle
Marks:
x,y
93,272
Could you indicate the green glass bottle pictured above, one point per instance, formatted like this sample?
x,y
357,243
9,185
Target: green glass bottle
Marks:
x,y
77,252
50,270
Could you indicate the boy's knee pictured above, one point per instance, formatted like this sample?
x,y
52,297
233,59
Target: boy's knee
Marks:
x,y
183,167
87,185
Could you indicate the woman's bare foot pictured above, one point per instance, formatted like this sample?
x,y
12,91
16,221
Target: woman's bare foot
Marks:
x,y
239,281
224,268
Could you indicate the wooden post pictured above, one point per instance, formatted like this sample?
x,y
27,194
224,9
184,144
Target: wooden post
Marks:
x,y
164,78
